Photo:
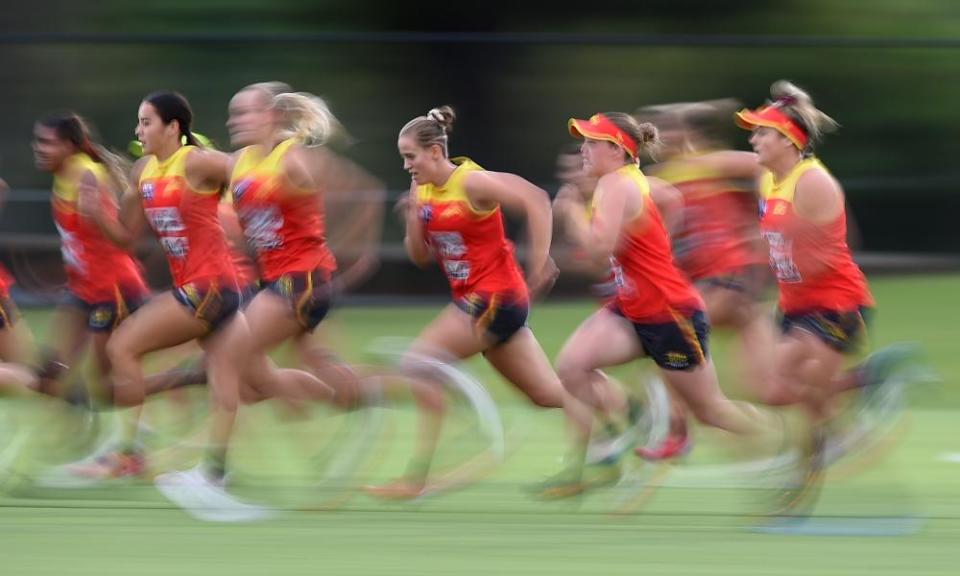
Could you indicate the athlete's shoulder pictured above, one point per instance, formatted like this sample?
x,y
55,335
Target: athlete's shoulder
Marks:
x,y
627,178
140,167
817,195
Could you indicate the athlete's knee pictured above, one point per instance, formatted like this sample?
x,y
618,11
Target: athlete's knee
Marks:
x,y
257,373
344,381
572,371
119,351
429,396
777,395
548,395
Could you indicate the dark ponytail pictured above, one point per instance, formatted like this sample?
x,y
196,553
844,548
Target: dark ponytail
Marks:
x,y
172,106
71,127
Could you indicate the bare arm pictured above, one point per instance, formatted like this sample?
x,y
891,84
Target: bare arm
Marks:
x,y
414,241
731,163
334,178
616,200
347,184
519,196
566,193
569,194
364,234
208,169
818,197
124,230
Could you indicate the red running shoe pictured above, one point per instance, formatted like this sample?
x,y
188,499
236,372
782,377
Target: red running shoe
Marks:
x,y
674,446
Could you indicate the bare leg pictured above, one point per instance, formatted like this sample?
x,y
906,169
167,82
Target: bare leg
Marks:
x,y
602,340
523,363
226,349
271,322
451,334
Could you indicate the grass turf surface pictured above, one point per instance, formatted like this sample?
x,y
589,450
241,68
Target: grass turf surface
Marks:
x,y
692,525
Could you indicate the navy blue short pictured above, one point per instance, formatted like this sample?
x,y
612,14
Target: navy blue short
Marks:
x,y
213,305
106,315
247,293
678,345
844,331
308,293
499,315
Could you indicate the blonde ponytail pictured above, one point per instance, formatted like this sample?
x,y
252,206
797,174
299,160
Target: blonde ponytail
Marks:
x,y
306,117
798,105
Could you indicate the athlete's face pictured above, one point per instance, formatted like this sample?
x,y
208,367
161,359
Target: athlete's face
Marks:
x,y
600,157
421,163
570,170
152,132
770,145
250,118
49,150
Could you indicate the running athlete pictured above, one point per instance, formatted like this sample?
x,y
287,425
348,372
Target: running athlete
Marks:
x,y
14,339
824,295
104,283
176,190
656,311
716,243
278,180
455,216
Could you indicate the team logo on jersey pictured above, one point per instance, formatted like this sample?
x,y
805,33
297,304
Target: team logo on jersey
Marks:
x,y
147,190
426,213
172,186
780,209
451,211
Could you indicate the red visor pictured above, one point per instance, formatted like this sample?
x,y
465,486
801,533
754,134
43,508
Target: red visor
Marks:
x,y
599,127
773,117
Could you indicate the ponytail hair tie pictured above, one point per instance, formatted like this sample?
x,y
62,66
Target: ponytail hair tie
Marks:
x,y
437,116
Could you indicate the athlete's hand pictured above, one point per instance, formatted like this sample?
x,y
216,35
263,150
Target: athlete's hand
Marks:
x,y
539,283
87,201
362,268
561,204
568,209
401,207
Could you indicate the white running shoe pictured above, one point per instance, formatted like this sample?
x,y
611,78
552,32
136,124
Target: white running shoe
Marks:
x,y
205,499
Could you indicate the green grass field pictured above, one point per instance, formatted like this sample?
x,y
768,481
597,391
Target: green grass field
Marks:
x,y
697,523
